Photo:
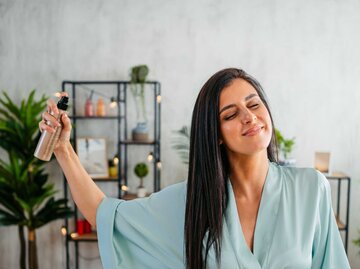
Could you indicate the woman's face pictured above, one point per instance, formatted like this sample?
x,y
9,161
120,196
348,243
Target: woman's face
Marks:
x,y
245,123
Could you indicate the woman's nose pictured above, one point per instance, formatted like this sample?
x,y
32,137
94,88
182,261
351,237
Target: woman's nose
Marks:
x,y
247,117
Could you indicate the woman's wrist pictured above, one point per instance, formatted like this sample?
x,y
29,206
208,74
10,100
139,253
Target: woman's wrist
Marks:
x,y
63,149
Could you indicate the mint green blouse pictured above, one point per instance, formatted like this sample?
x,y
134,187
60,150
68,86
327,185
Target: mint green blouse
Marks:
x,y
295,228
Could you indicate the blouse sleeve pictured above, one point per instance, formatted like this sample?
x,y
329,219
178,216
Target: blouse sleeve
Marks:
x,y
143,233
328,248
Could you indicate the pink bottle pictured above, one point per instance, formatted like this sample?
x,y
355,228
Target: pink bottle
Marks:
x,y
89,107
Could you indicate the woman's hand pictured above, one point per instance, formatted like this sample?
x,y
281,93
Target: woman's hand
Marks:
x,y
49,123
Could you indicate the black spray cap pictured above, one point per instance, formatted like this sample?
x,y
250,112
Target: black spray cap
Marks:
x,y
63,103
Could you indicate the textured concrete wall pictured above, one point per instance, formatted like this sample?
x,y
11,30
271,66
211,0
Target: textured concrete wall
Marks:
x,y
305,53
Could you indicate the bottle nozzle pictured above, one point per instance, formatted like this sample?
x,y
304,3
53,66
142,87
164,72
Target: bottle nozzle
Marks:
x,y
63,103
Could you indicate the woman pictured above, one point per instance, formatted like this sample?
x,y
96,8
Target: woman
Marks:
x,y
238,209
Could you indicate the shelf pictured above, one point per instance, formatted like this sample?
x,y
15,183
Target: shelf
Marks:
x,y
113,82
111,179
95,117
337,175
83,237
132,196
342,225
132,142
129,196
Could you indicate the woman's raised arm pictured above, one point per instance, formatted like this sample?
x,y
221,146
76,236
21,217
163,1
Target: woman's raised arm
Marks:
x,y
85,192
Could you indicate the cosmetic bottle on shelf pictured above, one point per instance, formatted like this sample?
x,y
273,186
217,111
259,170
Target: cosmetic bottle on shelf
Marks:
x,y
100,108
89,107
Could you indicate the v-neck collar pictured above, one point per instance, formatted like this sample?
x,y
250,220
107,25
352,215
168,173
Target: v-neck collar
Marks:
x,y
265,222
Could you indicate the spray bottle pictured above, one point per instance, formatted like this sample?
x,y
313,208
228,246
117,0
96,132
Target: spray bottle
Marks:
x,y
47,141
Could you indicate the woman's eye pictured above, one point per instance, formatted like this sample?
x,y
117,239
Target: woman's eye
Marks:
x,y
254,105
230,117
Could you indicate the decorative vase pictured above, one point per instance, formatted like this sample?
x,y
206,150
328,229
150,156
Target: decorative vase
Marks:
x,y
141,130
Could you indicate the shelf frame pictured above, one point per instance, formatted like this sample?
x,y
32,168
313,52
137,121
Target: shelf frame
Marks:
x,y
340,177
122,145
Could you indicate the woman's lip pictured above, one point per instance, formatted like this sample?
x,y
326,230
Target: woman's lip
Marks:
x,y
253,131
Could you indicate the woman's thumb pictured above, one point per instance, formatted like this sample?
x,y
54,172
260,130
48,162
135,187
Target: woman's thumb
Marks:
x,y
66,121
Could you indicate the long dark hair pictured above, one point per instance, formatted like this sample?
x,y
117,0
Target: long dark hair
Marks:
x,y
207,193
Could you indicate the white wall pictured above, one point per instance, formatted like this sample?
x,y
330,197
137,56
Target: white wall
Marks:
x,y
305,53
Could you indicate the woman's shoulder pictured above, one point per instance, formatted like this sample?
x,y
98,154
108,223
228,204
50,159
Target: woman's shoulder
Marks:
x,y
305,178
174,191
164,206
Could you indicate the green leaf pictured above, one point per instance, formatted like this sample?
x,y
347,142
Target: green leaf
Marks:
x,y
4,126
5,116
10,105
28,108
5,173
27,208
8,202
53,210
8,219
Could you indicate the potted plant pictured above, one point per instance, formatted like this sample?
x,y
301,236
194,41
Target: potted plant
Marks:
x,y
26,198
285,147
181,143
141,170
137,86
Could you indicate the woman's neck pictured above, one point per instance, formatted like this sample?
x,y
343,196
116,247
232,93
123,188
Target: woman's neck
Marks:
x,y
248,174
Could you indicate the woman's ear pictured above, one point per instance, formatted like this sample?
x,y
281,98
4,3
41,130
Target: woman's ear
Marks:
x,y
220,142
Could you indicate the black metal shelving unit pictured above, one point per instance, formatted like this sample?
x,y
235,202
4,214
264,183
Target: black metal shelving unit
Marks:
x,y
343,226
123,143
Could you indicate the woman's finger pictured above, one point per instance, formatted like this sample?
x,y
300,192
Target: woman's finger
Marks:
x,y
51,106
66,122
50,119
44,127
40,125
61,94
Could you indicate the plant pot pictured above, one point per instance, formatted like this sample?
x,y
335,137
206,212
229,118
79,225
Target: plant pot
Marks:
x,y
141,192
